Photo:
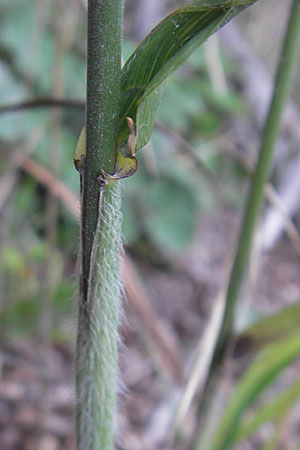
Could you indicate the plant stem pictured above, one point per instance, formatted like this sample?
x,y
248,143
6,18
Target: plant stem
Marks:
x,y
103,98
287,61
282,83
97,340
98,334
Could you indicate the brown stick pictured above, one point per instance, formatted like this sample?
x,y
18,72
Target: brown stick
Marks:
x,y
43,102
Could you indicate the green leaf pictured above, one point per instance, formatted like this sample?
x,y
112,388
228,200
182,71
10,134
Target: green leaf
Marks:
x,y
271,329
172,220
260,375
166,47
164,208
273,411
145,118
12,260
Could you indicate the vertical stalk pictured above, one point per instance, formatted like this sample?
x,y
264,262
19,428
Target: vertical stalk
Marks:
x,y
96,360
102,110
282,83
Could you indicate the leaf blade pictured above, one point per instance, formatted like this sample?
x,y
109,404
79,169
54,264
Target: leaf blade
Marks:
x,y
165,48
261,374
269,329
272,411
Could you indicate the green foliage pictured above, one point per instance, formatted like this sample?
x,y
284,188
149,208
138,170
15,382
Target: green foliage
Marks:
x,y
200,109
21,317
271,329
275,356
21,312
165,209
158,56
23,292
162,205
274,346
272,360
169,200
199,115
12,260
272,411
169,44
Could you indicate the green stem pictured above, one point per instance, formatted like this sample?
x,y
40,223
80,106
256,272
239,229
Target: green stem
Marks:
x,y
103,99
96,358
282,83
97,361
287,61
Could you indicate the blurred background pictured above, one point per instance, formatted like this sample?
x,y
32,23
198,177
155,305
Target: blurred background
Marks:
x,y
182,212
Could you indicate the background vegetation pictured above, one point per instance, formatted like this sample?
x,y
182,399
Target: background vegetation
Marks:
x,y
182,212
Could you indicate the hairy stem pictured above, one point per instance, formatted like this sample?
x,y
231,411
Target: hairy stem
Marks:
x,y
98,333
97,340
